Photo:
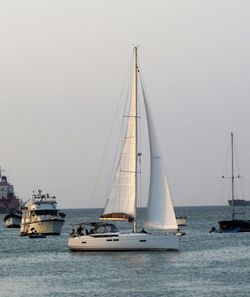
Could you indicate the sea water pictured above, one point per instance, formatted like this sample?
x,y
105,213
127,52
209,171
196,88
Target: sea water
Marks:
x,y
207,264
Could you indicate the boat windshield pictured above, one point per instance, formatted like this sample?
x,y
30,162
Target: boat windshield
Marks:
x,y
107,228
40,212
94,228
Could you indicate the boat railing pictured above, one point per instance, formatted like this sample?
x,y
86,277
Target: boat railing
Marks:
x,y
45,198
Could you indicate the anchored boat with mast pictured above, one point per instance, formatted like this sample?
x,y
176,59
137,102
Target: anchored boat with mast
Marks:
x,y
122,201
233,225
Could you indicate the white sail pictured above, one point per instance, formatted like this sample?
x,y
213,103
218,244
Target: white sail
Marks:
x,y
121,201
160,211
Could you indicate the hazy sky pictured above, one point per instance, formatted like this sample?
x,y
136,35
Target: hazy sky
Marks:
x,y
62,68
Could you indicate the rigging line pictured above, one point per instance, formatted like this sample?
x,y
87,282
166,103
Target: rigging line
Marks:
x,y
109,137
149,108
225,169
139,149
235,193
223,189
119,142
238,172
120,138
144,94
160,152
112,171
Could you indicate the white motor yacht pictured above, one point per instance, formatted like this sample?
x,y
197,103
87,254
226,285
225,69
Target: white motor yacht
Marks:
x,y
41,216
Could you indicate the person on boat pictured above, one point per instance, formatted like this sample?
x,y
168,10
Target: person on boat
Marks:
x,y
73,232
79,230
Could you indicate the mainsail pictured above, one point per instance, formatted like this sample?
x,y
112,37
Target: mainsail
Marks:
x,y
160,211
121,201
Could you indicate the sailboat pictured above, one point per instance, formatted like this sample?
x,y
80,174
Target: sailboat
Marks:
x,y
122,200
234,225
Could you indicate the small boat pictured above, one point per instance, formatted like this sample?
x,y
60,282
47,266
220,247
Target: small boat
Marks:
x,y
233,225
13,219
41,216
181,221
122,200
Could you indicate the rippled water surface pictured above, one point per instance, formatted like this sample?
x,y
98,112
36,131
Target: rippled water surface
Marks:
x,y
206,265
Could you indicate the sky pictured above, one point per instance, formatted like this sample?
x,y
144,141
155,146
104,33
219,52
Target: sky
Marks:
x,y
62,69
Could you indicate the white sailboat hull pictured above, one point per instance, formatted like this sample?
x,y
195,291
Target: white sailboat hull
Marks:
x,y
124,242
49,227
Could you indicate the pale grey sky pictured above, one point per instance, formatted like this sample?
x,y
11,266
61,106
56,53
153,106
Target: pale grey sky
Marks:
x,y
62,68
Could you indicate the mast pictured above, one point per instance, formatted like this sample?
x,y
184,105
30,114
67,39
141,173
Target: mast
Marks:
x,y
232,145
136,133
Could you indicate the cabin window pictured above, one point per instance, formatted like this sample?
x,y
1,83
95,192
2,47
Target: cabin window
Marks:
x,y
51,212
